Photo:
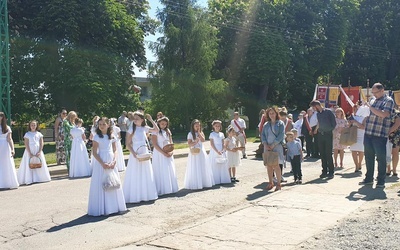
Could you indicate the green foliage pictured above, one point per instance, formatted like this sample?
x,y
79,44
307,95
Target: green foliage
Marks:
x,y
76,54
183,87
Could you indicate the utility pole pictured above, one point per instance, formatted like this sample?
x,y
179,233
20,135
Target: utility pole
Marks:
x,y
5,103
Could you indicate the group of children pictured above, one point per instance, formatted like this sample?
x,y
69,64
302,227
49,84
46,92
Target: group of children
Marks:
x,y
145,178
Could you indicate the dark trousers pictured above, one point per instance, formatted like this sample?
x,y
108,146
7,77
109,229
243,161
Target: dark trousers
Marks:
x,y
375,146
302,141
309,144
123,137
316,149
325,144
296,166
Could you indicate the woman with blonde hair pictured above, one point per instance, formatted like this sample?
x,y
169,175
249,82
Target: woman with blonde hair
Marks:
x,y
338,149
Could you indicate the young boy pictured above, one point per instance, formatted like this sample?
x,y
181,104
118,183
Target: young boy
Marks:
x,y
295,155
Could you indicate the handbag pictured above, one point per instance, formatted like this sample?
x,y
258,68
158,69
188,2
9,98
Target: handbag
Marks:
x,y
271,158
348,136
35,162
110,180
168,148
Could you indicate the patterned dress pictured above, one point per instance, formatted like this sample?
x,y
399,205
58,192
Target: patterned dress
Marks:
x,y
340,123
394,137
60,151
67,126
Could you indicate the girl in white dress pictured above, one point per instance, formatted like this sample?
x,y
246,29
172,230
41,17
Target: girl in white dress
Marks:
x,y
198,171
163,162
33,140
79,163
232,153
139,184
104,202
8,175
119,157
217,155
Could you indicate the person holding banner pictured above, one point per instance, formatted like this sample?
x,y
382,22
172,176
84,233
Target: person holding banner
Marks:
x,y
239,125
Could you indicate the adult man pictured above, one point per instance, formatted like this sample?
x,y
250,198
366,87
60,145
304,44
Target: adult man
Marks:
x,y
377,126
326,124
122,124
239,125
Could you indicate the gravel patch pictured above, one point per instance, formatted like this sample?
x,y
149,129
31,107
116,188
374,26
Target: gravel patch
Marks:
x,y
375,225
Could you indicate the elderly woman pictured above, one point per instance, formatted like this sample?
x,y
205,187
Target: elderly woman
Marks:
x,y
68,124
272,137
59,136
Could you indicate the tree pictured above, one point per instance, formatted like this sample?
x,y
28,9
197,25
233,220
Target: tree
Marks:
x,y
183,86
76,54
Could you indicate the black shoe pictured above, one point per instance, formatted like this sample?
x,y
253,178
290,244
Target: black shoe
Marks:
x,y
364,182
244,156
380,186
299,181
236,180
233,180
330,176
323,175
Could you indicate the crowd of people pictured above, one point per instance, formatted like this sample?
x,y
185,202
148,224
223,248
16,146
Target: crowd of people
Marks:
x,y
320,131
150,172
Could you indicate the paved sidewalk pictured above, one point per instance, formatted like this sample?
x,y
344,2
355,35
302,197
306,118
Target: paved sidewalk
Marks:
x,y
278,220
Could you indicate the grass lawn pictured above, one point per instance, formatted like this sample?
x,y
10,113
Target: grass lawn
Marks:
x,y
50,147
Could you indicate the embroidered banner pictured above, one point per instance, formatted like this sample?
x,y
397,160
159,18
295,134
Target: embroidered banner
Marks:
x,y
396,95
353,94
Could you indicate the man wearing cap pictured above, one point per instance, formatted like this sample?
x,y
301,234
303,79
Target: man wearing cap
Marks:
x,y
326,124
377,126
239,125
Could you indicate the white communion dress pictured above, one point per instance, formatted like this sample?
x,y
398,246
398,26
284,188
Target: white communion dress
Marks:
x,y
103,202
139,184
119,154
8,175
25,174
198,171
219,169
164,167
79,162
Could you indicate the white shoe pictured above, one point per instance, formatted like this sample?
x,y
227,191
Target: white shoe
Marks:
x,y
283,179
275,181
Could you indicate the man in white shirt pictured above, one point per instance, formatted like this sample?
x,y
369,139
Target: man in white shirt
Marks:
x,y
122,124
313,120
239,125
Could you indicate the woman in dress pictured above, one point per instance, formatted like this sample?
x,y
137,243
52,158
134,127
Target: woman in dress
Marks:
x,y
163,162
139,184
198,170
79,164
272,138
357,149
394,138
59,136
119,157
338,149
217,156
33,140
8,175
68,124
104,202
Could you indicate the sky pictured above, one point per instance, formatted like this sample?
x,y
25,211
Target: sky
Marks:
x,y
154,6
